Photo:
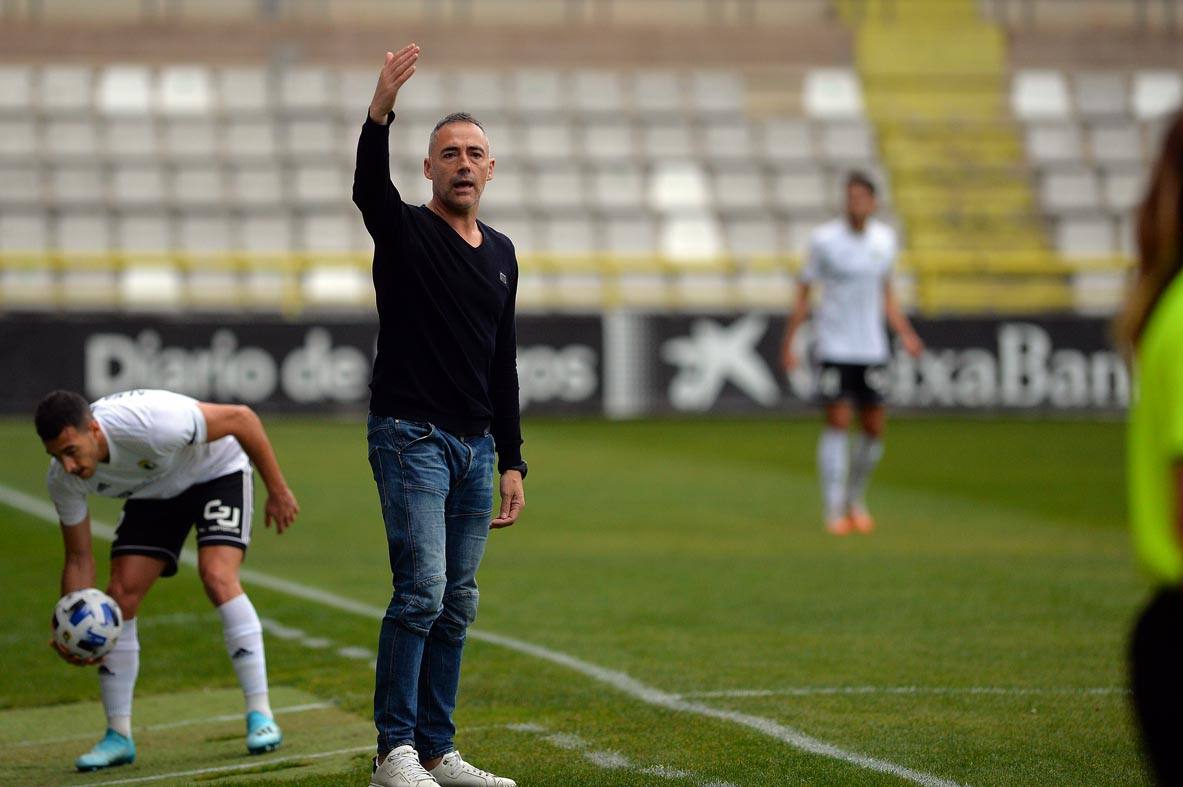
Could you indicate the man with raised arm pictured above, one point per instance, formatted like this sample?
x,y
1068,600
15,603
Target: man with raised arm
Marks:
x,y
444,398
177,462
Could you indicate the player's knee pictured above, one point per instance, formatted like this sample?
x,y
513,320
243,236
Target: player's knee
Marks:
x,y
458,614
220,582
422,604
127,596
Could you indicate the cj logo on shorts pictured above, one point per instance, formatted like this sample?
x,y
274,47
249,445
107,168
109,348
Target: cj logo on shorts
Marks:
x,y
223,517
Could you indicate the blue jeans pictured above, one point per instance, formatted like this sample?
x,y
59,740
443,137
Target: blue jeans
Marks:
x,y
436,491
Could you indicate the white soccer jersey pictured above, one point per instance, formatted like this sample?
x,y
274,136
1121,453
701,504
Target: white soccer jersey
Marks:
x,y
158,449
852,268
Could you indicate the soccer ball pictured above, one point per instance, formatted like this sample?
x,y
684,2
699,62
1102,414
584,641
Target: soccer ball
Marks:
x,y
86,623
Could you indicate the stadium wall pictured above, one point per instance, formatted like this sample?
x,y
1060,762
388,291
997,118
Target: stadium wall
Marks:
x,y
619,364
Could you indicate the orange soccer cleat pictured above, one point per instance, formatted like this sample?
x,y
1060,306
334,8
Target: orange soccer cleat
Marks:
x,y
839,527
860,519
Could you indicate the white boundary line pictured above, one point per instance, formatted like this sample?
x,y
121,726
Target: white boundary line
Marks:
x,y
620,681
1008,691
182,723
243,767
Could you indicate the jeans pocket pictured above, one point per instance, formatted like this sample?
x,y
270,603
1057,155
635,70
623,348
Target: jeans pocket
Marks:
x,y
408,433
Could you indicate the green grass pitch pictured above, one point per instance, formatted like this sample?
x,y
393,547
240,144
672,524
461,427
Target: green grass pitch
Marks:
x,y
977,637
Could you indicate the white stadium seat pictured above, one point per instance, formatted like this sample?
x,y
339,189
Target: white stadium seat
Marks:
x,y
204,233
66,88
125,90
1157,93
740,190
24,232
265,233
1085,237
21,185
1070,190
665,140
1120,142
717,91
1040,94
16,88
149,231
137,185
308,88
479,91
250,138
832,93
536,90
19,138
330,231
677,187
77,185
752,234
597,92
630,235
617,189
1101,95
1123,189
727,142
184,90
691,238
560,189
87,231
130,138
189,138
801,190
656,90
243,89
71,138
608,140
574,235
1054,143
786,140
195,185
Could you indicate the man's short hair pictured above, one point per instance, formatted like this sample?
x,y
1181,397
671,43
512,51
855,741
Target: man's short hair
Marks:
x,y
455,117
58,410
860,178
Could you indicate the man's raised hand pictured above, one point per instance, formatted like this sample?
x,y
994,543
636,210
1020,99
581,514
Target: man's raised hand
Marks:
x,y
397,70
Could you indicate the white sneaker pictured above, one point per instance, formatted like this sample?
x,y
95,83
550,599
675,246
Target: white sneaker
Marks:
x,y
401,768
453,771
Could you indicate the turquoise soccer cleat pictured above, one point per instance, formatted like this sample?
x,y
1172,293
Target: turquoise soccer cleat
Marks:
x,y
114,749
262,733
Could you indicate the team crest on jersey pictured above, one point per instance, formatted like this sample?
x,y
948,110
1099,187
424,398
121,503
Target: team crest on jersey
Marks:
x,y
146,465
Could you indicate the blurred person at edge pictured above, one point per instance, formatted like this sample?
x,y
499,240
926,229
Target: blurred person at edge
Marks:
x,y
1150,330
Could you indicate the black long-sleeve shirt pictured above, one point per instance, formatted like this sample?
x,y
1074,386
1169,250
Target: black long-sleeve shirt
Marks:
x,y
447,343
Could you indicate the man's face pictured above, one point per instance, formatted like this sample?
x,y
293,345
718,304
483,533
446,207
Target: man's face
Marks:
x,y
459,165
860,203
78,451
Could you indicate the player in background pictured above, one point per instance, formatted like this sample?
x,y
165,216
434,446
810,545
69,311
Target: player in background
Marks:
x,y
1150,329
852,258
176,462
444,398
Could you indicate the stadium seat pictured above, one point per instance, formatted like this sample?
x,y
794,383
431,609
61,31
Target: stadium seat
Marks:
x,y
765,289
1040,94
718,92
847,143
549,140
678,187
21,186
130,138
197,185
597,92
256,185
608,140
536,91
125,90
271,233
1101,95
308,88
617,189
246,139
243,90
332,284
691,238
184,90
574,236
1123,189
521,230
667,140
329,231
16,88
1116,142
75,138
307,137
1054,143
22,231
1070,190
656,91
320,184
739,189
143,232
832,93
630,235
559,189
1085,237
200,234
752,235
479,91
729,141
137,185
507,190
786,140
19,139
1156,93
797,235
155,285
65,89
190,138
77,185
427,97
800,190
414,188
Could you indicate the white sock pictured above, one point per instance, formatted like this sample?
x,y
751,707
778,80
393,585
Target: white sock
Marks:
x,y
244,643
117,678
831,467
866,454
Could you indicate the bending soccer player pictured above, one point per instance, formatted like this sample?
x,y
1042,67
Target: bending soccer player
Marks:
x,y
444,386
176,462
852,259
